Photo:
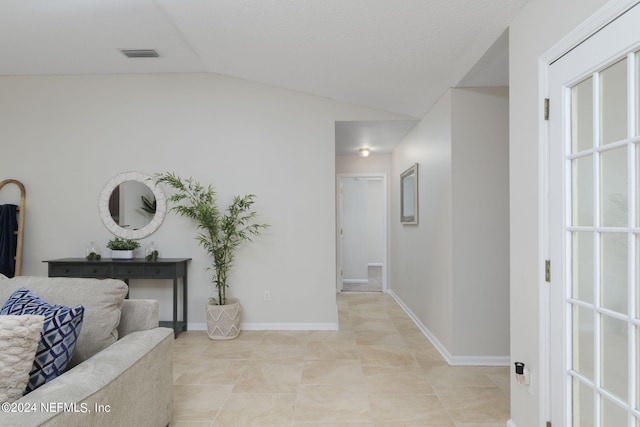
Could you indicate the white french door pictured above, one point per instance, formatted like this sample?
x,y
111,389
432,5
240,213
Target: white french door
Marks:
x,y
594,226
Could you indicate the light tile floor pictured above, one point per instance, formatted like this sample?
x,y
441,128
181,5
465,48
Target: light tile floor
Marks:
x,y
377,370
373,285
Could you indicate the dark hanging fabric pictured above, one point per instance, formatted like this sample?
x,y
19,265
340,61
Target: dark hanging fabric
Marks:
x,y
8,239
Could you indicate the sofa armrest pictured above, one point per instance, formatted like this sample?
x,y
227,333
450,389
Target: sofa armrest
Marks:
x,y
128,383
138,315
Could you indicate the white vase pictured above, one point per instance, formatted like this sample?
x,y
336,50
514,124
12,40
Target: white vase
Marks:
x,y
223,321
121,254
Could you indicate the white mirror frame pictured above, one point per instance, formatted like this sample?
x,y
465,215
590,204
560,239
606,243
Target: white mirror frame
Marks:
x,y
105,214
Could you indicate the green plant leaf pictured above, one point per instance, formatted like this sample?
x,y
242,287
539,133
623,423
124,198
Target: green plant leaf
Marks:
x,y
148,205
220,233
118,244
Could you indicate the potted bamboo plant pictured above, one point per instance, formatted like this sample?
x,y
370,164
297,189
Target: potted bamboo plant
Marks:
x,y
220,235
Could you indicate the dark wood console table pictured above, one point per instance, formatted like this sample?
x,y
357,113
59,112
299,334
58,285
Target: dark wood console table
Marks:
x,y
125,269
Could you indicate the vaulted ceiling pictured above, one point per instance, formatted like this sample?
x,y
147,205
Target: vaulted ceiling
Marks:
x,y
398,56
394,55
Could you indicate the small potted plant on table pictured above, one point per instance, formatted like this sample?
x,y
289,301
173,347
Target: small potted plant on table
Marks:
x,y
122,248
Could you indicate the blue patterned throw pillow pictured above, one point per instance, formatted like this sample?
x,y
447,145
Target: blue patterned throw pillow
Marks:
x,y
59,334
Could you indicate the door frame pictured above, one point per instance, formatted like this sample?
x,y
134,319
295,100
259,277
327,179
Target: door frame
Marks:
x,y
600,19
339,220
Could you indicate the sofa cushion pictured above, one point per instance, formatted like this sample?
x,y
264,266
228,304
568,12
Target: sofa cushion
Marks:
x,y
102,301
19,339
60,332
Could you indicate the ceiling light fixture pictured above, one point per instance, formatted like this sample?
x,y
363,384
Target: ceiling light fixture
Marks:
x,y
364,152
140,53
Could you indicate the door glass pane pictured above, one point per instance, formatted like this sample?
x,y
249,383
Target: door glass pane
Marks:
x,y
637,150
582,194
582,405
614,356
637,93
638,286
582,116
613,187
614,289
583,335
582,266
612,414
613,103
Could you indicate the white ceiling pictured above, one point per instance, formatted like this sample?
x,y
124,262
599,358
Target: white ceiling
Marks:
x,y
492,69
382,136
395,55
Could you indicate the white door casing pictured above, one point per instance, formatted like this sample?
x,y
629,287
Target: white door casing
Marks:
x,y
594,325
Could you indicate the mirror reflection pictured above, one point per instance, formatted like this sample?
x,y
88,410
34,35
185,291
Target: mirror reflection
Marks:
x,y
409,195
132,205
408,208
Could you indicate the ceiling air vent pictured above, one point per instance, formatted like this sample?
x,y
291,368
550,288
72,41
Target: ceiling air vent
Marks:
x,y
140,53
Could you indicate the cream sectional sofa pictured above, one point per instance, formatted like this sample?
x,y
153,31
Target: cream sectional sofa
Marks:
x,y
121,371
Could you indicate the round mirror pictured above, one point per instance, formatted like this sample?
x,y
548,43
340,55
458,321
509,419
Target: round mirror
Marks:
x,y
131,206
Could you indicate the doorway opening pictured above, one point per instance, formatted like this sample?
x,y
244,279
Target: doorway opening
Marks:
x,y
362,232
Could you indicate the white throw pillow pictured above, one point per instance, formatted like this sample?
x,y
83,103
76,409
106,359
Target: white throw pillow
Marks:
x,y
19,339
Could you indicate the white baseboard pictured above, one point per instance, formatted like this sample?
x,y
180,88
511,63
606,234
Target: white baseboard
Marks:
x,y
354,281
448,357
375,264
196,326
480,361
273,326
289,326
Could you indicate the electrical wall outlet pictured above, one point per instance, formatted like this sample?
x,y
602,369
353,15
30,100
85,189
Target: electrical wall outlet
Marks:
x,y
267,296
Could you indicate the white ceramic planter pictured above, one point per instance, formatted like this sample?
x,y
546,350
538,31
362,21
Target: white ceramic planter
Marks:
x,y
121,254
223,321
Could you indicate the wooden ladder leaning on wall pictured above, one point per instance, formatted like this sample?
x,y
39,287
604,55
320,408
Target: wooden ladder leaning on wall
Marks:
x,y
19,232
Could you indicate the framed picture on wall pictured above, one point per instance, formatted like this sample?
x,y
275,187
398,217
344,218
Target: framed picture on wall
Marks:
x,y
409,196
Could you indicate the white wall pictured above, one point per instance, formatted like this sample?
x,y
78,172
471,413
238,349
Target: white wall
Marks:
x,y
64,137
420,256
375,163
480,152
537,28
451,270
